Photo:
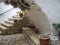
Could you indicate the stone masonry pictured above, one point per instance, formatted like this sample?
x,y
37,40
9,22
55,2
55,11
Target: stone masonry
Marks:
x,y
15,39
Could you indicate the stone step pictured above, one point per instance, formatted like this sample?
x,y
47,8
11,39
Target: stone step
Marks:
x,y
2,27
11,19
6,25
14,18
9,22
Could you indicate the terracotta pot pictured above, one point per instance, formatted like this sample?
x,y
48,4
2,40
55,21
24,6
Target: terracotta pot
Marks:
x,y
44,40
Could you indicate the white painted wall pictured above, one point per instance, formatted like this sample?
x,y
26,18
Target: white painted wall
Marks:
x,y
9,14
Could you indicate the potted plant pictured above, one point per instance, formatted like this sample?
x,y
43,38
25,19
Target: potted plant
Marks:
x,y
44,39
57,28
20,13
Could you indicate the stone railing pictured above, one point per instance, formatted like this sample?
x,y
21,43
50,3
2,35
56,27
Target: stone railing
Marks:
x,y
31,36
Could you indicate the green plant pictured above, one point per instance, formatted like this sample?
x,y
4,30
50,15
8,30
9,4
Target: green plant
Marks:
x,y
56,26
21,13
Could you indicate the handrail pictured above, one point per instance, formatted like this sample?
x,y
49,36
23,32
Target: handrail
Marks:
x,y
6,11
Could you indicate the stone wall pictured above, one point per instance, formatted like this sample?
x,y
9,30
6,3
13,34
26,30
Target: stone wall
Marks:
x,y
38,17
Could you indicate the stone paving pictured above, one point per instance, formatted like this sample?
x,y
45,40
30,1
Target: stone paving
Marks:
x,y
15,39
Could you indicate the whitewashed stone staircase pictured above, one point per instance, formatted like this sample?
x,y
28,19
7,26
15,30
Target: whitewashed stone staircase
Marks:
x,y
11,27
9,23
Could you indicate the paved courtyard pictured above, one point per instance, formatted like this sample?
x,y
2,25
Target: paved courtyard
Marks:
x,y
15,39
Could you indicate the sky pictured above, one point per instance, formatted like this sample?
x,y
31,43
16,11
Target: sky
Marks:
x,y
51,9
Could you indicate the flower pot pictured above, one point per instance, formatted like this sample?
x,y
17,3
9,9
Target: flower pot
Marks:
x,y
54,40
44,40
